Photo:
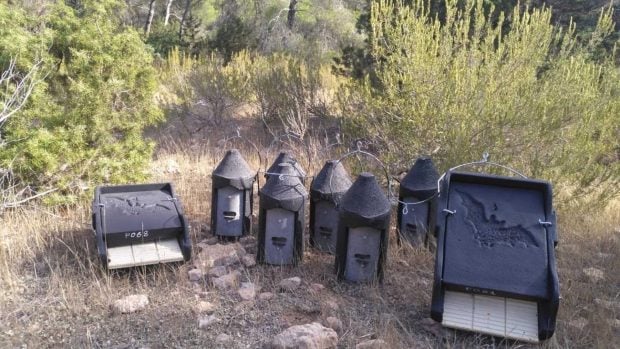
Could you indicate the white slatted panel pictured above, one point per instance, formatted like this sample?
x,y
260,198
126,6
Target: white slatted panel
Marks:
x,y
521,320
153,252
496,316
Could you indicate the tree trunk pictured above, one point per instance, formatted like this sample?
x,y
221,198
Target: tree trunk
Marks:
x,y
291,14
188,4
149,18
167,17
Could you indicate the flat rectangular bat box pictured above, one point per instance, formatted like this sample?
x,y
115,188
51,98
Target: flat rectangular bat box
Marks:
x,y
139,225
495,269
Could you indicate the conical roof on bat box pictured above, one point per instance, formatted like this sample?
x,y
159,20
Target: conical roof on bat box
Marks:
x,y
233,170
421,180
365,203
286,157
285,191
322,189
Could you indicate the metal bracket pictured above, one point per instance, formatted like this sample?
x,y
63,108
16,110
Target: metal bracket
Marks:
x,y
544,223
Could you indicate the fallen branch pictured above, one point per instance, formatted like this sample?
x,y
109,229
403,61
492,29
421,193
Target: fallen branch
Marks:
x,y
23,201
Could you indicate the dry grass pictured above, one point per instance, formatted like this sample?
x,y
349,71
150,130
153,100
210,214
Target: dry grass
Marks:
x,y
54,293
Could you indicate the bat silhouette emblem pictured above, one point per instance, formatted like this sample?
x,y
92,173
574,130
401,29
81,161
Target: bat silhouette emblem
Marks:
x,y
135,206
491,231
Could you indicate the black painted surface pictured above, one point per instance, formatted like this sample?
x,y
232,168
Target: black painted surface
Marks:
x,y
364,205
286,192
322,190
233,171
421,180
420,183
286,157
494,240
490,241
127,214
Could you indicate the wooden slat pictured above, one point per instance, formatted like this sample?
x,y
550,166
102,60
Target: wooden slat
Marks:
x,y
496,316
154,252
169,251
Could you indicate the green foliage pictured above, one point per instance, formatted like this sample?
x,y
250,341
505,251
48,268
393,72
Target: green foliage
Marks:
x,y
232,37
532,97
222,87
83,124
289,92
163,39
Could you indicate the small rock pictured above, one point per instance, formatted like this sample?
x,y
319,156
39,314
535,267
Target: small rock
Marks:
x,y
195,274
223,338
218,254
204,307
578,323
228,281
372,344
616,323
202,245
611,305
248,260
243,306
309,336
334,323
247,292
317,287
218,271
206,321
265,296
247,240
290,284
212,240
131,304
331,306
196,287
594,274
205,228
172,166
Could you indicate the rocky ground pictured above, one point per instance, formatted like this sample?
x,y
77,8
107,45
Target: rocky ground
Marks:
x,y
54,292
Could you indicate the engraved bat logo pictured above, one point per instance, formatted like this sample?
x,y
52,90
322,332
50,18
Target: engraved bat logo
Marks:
x,y
135,206
491,231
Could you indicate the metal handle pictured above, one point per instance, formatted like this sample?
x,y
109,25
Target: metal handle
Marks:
x,y
484,161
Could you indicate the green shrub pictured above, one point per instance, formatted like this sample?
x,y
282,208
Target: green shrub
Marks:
x,y
289,91
531,96
83,123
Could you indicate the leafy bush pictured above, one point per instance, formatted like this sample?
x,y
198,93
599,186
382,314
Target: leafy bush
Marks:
x,y
222,87
83,123
289,92
531,96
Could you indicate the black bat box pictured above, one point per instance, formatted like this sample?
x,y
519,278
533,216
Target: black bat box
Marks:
x,y
139,224
495,267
